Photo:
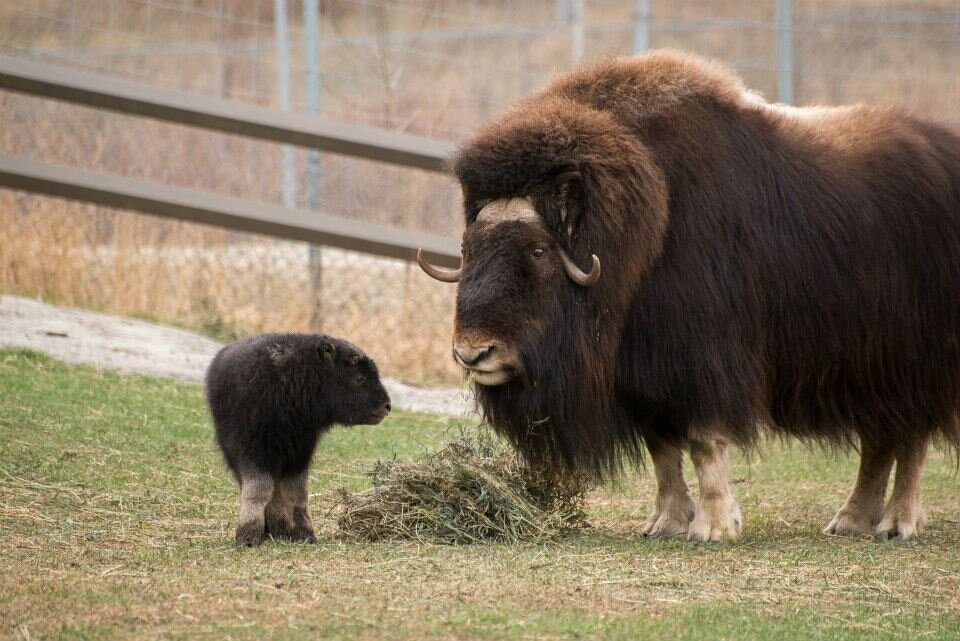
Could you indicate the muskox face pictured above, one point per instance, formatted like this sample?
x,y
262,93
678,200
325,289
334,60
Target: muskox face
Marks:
x,y
512,272
361,398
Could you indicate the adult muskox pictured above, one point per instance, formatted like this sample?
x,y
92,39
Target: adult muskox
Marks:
x,y
762,266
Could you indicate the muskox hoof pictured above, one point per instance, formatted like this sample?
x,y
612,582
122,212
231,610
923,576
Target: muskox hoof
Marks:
x,y
672,521
716,521
664,526
850,524
250,536
900,524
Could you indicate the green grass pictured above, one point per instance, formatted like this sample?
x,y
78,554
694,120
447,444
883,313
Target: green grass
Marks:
x,y
116,520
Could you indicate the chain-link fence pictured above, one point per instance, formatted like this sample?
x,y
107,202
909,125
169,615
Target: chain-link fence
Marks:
x,y
435,68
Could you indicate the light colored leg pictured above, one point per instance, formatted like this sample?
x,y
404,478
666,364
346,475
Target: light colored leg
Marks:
x,y
717,515
904,516
256,490
863,509
673,509
297,495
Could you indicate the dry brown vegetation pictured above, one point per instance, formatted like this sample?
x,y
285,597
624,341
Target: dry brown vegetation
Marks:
x,y
436,68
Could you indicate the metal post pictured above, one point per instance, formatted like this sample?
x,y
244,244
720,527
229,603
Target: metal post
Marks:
x,y
283,89
784,19
641,25
311,40
579,35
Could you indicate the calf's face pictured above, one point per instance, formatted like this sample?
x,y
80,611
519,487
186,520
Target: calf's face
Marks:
x,y
360,396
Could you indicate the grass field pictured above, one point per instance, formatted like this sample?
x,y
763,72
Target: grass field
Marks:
x,y
116,520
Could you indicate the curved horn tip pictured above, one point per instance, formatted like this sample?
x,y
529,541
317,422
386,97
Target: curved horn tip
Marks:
x,y
443,275
594,274
577,275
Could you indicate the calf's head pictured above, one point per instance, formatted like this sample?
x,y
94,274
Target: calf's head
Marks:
x,y
360,398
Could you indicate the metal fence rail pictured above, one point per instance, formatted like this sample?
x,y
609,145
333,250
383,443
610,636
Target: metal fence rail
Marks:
x,y
228,116
224,211
94,90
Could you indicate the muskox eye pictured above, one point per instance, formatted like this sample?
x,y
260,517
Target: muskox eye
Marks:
x,y
538,252
359,379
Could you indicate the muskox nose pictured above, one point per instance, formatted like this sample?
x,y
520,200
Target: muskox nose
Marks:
x,y
469,354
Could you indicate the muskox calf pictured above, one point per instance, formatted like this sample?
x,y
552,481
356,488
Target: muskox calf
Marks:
x,y
271,397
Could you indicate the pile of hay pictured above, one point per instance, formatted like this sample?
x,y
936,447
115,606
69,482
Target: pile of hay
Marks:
x,y
472,490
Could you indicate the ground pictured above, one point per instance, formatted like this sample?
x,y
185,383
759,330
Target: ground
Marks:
x,y
116,519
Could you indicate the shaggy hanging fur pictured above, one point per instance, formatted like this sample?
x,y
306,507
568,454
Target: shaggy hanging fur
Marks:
x,y
763,265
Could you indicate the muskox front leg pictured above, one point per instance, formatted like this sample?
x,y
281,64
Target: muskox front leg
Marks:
x,y
256,490
904,515
673,509
864,507
717,516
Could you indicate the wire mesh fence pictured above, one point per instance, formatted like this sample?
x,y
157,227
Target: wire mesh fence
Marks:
x,y
430,67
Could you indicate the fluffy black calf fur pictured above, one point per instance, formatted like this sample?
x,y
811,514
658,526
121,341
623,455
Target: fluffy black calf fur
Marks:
x,y
271,397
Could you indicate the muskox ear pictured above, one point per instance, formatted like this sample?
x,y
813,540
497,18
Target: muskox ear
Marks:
x,y
569,199
328,353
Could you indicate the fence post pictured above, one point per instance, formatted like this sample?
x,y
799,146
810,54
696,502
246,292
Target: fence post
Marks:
x,y
283,88
578,35
641,26
311,47
784,20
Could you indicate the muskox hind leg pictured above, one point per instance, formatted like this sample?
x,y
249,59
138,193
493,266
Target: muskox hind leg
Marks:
x,y
717,515
297,494
279,513
864,507
673,509
256,490
904,516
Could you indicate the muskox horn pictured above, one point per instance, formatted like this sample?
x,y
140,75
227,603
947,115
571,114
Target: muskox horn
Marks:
x,y
577,275
443,275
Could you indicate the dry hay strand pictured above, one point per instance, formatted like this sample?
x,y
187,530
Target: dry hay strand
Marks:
x,y
472,490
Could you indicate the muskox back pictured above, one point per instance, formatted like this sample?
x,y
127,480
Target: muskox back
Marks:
x,y
810,276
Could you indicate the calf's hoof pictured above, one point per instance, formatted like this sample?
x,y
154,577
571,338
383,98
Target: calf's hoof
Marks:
x,y
250,536
303,535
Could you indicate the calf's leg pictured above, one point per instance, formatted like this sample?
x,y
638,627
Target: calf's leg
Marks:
x,y
256,490
279,513
717,515
297,495
904,515
673,508
864,507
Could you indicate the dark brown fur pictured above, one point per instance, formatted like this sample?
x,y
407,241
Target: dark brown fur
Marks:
x,y
271,398
760,268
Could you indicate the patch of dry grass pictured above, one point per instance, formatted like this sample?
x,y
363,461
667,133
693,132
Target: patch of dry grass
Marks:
x,y
472,490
